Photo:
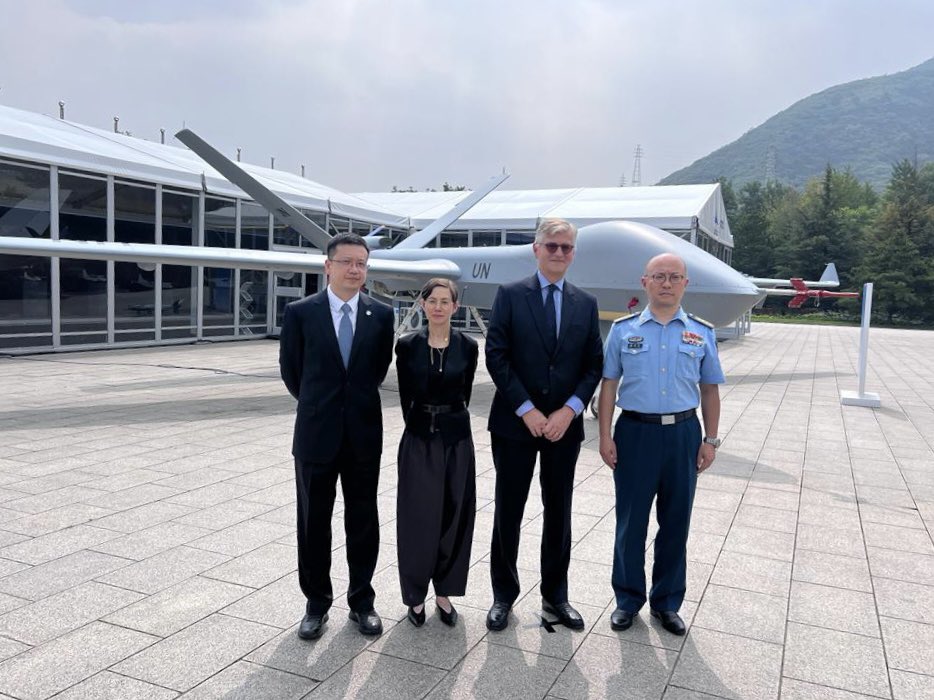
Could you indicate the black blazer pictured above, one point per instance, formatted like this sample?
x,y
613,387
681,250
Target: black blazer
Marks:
x,y
413,365
334,402
522,367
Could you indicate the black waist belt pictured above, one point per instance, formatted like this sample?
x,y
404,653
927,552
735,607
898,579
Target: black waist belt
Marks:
x,y
435,409
660,418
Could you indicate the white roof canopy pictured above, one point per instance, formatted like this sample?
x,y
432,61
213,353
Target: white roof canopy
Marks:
x,y
37,137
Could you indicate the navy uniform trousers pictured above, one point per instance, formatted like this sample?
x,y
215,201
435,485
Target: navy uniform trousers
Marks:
x,y
653,461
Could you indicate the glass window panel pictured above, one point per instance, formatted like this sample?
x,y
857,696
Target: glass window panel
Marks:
x,y
179,299
318,217
520,237
83,217
220,223
135,283
484,239
453,239
219,232
254,227
25,291
252,301
338,225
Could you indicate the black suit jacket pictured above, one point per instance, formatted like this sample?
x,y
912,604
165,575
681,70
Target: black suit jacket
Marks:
x,y
523,369
413,366
334,402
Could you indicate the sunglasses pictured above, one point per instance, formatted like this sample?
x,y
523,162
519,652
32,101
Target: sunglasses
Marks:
x,y
553,248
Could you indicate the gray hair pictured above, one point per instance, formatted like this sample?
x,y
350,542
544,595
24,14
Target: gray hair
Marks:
x,y
549,227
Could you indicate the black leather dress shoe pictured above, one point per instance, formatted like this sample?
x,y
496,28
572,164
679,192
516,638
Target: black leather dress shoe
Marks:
x,y
566,615
621,619
498,617
368,622
448,618
312,626
670,620
416,618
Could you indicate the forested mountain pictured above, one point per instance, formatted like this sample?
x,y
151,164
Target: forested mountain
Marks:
x,y
866,126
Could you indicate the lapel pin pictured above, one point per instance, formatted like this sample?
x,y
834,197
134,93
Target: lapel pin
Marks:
x,y
369,313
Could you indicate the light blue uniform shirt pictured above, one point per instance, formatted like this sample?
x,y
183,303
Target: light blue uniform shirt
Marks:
x,y
661,365
574,403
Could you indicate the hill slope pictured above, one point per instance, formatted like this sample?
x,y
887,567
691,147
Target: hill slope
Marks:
x,y
867,125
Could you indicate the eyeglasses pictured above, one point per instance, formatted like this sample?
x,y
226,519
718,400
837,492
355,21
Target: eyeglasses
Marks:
x,y
353,264
553,248
660,277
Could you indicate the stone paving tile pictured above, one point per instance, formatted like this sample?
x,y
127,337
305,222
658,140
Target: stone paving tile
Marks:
x,y
259,567
771,576
527,632
164,569
905,600
39,550
40,672
837,659
72,608
834,608
909,645
831,540
646,629
132,497
743,613
904,566
798,690
246,681
60,574
612,668
178,606
146,543
728,666
10,647
901,538
492,671
832,570
193,655
243,537
379,676
225,514
55,519
761,543
280,604
317,660
911,686
112,686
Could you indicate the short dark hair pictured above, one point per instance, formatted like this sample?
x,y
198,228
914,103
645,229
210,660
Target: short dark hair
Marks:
x,y
435,282
345,239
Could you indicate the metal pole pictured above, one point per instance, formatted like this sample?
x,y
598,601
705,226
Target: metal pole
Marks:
x,y
864,336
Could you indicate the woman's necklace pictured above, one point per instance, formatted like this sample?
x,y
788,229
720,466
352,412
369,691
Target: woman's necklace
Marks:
x,y
440,350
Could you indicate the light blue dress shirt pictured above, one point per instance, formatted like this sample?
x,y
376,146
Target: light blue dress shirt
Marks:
x,y
661,365
574,403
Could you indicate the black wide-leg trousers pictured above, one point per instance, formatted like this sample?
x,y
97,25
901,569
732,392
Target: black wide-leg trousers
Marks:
x,y
436,509
316,484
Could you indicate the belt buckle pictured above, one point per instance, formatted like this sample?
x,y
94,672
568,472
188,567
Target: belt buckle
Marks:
x,y
668,419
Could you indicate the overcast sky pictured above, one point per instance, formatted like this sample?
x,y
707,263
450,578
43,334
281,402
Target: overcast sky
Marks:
x,y
372,94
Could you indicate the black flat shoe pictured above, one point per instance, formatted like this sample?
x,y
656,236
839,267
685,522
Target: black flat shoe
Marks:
x,y
448,618
671,621
498,617
566,615
368,622
416,618
621,619
312,626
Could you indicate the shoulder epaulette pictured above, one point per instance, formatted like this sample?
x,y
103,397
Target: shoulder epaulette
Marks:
x,y
702,321
625,318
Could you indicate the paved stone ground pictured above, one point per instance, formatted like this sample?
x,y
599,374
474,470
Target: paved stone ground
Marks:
x,y
147,541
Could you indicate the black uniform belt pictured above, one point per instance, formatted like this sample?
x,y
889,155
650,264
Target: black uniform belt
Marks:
x,y
660,418
435,409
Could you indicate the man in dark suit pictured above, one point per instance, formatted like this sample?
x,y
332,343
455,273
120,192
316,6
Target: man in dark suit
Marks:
x,y
334,352
544,353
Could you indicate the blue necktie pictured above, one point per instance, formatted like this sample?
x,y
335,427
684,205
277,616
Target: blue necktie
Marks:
x,y
551,316
345,334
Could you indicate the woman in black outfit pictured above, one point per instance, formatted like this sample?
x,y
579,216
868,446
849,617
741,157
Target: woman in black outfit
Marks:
x,y
436,502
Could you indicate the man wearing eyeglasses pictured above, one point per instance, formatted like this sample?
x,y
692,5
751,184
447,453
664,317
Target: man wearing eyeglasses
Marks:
x,y
667,360
544,354
334,351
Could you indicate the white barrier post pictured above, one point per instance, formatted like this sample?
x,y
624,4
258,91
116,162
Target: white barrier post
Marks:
x,y
862,397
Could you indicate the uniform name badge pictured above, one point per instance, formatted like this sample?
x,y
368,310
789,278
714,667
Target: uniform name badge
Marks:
x,y
691,338
634,342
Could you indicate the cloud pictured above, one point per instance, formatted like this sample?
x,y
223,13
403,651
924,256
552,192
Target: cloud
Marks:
x,y
369,94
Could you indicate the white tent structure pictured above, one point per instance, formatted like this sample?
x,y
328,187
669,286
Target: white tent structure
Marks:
x,y
63,180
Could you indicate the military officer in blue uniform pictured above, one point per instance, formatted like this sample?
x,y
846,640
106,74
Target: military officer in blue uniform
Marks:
x,y
664,363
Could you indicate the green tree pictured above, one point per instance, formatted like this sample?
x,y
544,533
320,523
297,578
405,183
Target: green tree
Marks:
x,y
753,251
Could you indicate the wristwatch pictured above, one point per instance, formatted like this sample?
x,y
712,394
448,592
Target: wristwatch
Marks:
x,y
713,441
